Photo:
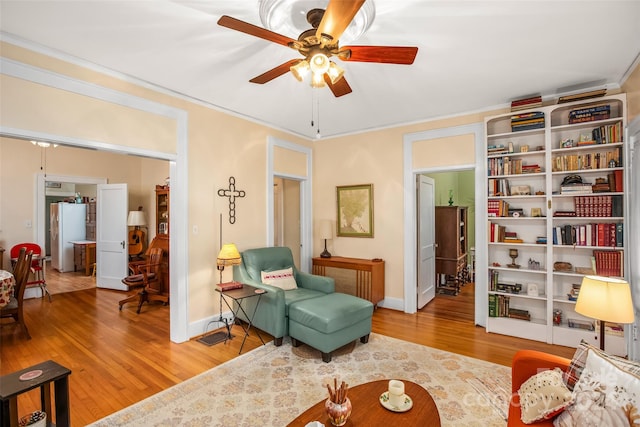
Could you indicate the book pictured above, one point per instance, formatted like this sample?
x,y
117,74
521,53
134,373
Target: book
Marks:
x,y
526,103
583,95
222,287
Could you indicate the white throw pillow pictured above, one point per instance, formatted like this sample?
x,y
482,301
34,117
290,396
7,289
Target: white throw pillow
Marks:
x,y
543,395
282,279
604,396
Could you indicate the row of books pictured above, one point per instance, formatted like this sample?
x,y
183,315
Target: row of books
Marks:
x,y
594,234
508,166
575,291
598,206
576,162
579,188
498,187
588,114
497,149
499,307
609,263
527,121
497,208
498,233
496,286
526,103
607,134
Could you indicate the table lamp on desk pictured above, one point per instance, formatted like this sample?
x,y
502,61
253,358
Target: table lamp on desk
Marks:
x,y
137,236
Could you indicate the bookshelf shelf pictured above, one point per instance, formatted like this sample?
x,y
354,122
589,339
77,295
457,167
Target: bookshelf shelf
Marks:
x,y
556,152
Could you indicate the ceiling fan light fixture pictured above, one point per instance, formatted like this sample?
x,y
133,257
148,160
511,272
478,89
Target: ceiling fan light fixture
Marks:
x,y
43,144
289,17
319,63
317,80
300,70
335,72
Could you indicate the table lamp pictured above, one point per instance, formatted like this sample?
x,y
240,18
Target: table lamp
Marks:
x,y
136,236
326,232
605,299
228,255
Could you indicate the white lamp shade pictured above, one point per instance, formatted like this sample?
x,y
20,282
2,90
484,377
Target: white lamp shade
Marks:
x,y
136,219
326,230
605,298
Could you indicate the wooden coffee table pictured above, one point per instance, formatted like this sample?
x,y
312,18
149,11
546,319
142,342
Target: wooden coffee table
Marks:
x,y
367,410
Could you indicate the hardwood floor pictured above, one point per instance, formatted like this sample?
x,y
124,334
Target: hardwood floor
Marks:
x,y
118,358
58,283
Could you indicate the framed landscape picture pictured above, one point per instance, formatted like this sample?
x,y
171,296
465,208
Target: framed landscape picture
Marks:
x,y
355,210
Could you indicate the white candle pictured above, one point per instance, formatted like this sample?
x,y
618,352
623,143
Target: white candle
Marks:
x,y
396,393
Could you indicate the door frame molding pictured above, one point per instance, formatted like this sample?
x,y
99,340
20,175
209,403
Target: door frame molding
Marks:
x,y
178,164
306,213
410,217
632,210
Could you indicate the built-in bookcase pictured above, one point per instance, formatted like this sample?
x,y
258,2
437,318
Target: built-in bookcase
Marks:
x,y
555,211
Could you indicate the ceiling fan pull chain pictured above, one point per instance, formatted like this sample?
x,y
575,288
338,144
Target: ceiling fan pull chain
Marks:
x,y
318,119
312,123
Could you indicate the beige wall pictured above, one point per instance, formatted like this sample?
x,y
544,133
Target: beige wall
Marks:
x,y
20,163
220,146
632,88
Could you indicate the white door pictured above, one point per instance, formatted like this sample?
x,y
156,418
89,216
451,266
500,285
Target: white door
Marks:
x,y
112,254
426,240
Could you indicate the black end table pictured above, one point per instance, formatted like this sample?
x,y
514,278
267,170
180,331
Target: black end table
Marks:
x,y
11,386
239,295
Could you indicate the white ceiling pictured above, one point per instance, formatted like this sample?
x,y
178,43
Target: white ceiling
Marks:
x,y
472,55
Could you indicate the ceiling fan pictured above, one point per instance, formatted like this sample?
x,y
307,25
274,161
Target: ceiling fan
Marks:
x,y
320,43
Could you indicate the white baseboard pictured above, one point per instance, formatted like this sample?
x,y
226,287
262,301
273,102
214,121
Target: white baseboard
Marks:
x,y
208,324
392,303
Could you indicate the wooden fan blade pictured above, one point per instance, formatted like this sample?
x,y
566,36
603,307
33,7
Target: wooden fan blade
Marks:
x,y
337,17
385,54
253,30
274,72
341,87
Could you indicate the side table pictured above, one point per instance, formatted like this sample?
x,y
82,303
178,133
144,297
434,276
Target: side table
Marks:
x,y
238,295
11,386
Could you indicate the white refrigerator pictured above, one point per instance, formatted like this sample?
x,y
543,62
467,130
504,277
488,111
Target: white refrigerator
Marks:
x,y
68,224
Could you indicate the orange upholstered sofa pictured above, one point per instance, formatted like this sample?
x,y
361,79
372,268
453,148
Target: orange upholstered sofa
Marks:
x,y
527,363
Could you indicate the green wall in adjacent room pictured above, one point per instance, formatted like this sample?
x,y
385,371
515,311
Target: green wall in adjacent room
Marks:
x,y
463,185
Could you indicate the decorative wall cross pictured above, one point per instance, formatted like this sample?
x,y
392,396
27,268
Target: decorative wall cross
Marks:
x,y
231,193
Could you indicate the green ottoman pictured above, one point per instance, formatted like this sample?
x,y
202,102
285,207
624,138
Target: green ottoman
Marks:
x,y
328,322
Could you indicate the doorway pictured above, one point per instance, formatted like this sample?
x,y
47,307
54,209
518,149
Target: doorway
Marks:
x,y
286,215
456,188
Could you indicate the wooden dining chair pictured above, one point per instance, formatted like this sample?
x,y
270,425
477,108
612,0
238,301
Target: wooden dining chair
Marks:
x,y
147,277
14,309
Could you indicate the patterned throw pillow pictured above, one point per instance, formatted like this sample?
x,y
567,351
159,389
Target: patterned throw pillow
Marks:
x,y
283,279
605,396
572,375
543,396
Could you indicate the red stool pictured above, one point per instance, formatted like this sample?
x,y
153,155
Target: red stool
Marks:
x,y
37,265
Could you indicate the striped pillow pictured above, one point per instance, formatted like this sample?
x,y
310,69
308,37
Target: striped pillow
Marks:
x,y
579,360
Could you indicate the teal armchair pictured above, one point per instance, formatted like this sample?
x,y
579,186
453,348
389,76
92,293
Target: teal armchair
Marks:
x,y
273,311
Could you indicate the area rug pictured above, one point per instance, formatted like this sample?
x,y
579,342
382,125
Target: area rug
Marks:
x,y
270,386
